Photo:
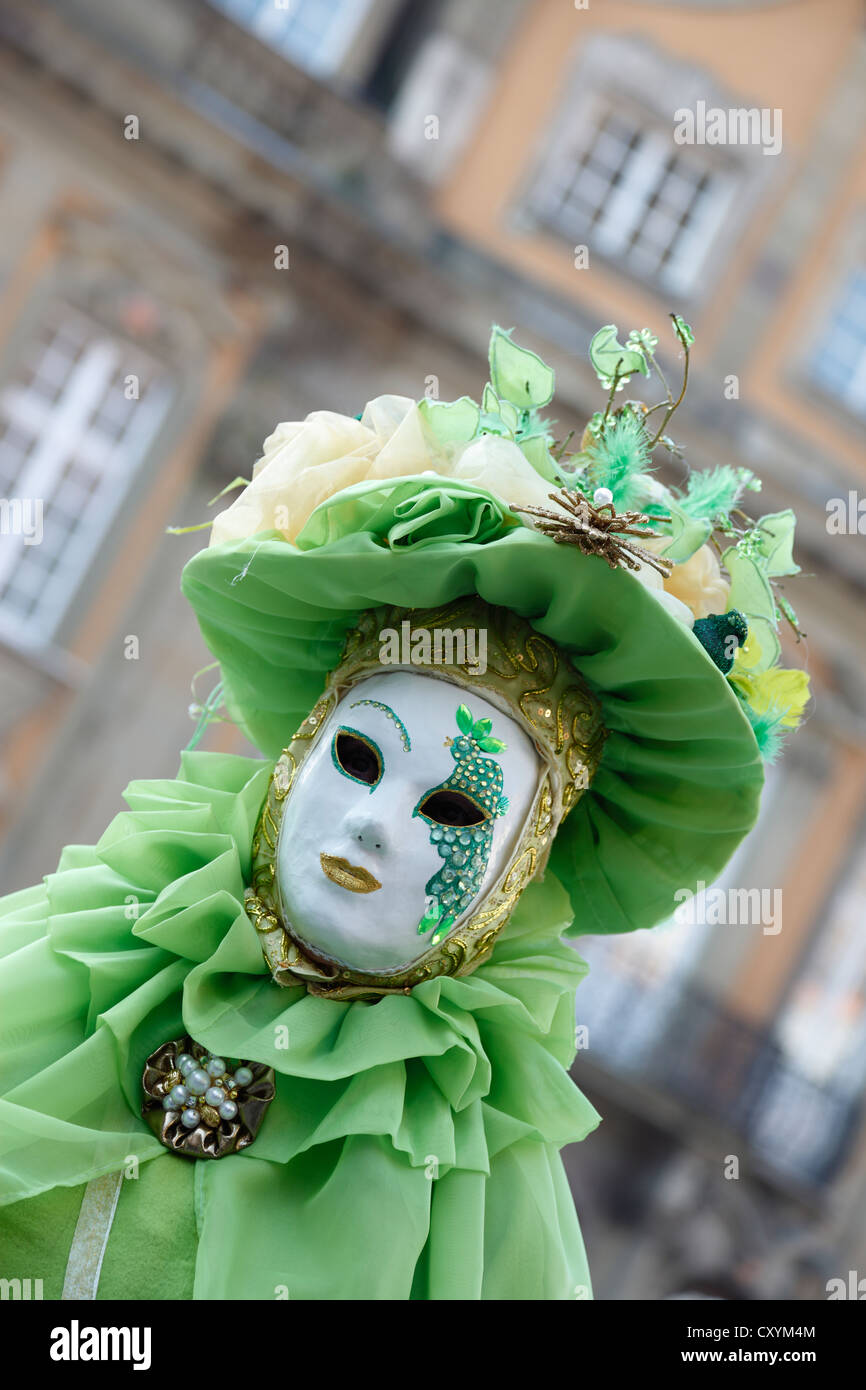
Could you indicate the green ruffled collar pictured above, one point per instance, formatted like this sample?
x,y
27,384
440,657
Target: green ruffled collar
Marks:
x,y
148,934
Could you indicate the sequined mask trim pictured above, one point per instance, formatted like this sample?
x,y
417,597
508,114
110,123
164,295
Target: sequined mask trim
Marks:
x,y
374,749
390,714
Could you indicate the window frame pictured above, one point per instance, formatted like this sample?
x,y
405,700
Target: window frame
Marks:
x,y
56,443
849,261
620,72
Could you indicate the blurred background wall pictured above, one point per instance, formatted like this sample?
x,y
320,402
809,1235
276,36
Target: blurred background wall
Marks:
x,y
221,215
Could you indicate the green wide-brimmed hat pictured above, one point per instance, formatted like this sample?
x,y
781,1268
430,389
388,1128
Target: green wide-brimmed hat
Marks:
x,y
411,505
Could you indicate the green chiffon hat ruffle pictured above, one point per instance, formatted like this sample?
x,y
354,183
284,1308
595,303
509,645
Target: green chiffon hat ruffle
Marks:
x,y
681,775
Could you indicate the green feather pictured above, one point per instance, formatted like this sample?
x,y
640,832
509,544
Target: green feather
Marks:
x,y
711,494
768,730
616,458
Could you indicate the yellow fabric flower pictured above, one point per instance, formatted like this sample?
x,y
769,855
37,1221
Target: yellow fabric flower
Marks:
x,y
779,688
698,583
747,657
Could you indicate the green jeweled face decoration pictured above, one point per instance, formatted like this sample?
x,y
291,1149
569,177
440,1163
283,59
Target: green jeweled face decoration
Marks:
x,y
397,823
460,813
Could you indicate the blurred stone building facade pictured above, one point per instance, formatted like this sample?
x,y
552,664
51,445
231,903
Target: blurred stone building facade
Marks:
x,y
221,215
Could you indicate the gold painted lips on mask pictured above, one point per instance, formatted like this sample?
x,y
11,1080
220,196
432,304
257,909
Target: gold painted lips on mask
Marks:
x,y
347,875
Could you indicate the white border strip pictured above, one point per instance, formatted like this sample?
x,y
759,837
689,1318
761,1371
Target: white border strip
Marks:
x,y
89,1242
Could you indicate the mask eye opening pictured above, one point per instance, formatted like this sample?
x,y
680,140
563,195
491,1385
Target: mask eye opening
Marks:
x,y
357,757
451,808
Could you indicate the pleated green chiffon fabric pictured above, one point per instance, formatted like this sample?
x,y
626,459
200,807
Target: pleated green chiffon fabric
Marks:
x,y
412,1149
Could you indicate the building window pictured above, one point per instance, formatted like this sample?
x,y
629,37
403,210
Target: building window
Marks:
x,y
609,174
315,34
622,186
72,434
838,363
446,76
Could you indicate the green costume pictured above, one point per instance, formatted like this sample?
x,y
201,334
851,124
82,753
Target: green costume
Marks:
x,y
412,1146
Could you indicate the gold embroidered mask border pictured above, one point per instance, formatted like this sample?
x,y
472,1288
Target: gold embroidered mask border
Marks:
x,y
530,679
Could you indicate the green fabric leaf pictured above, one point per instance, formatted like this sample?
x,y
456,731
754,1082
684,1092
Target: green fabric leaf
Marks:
x,y
482,726
464,720
688,534
451,422
491,745
682,329
774,540
490,400
605,354
752,596
492,424
518,374
535,450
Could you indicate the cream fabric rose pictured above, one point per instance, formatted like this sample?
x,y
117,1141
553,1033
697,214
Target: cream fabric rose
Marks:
x,y
698,583
306,462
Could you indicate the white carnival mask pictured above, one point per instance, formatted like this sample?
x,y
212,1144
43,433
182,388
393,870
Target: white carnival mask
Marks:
x,y
406,810
409,812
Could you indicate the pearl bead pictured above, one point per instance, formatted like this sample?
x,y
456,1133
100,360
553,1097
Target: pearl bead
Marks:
x,y
190,1118
182,1058
197,1081
216,1066
228,1110
215,1095
187,1065
178,1095
602,497
168,1104
243,1076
